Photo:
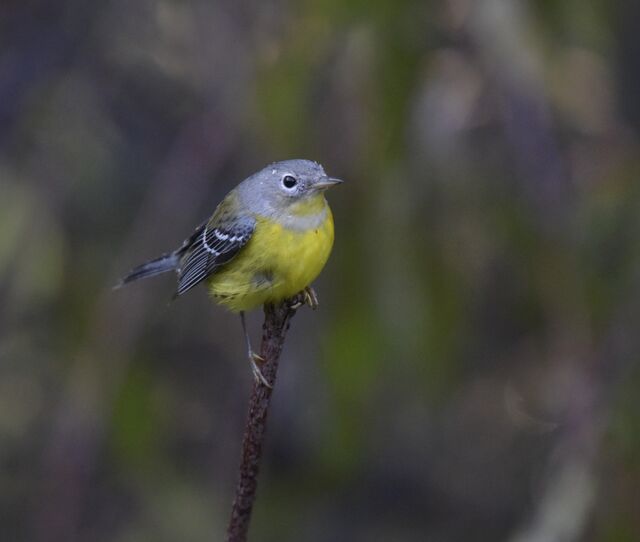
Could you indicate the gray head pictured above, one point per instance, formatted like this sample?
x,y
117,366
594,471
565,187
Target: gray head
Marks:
x,y
282,184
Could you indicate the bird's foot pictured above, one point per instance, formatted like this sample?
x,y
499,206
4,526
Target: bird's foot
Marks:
x,y
307,296
310,297
254,360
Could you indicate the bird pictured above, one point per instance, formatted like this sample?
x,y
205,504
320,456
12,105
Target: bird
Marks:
x,y
267,240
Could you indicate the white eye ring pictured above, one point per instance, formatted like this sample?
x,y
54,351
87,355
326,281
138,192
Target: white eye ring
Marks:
x,y
289,182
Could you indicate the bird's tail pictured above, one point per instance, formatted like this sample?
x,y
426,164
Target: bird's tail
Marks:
x,y
163,264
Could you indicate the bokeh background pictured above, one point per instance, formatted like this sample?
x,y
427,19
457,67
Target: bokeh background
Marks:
x,y
472,372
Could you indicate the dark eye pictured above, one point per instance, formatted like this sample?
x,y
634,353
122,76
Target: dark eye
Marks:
x,y
289,181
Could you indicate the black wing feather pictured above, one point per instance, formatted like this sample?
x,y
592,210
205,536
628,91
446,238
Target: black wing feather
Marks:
x,y
210,247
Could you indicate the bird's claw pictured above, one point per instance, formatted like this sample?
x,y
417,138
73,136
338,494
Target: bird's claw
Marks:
x,y
256,357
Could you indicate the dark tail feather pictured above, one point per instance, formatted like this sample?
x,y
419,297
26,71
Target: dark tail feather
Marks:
x,y
166,262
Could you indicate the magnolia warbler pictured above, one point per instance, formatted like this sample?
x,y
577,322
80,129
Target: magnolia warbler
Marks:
x,y
267,240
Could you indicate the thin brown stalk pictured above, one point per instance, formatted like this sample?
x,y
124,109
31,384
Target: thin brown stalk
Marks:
x,y
276,323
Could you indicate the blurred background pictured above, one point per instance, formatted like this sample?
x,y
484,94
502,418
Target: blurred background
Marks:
x,y
472,371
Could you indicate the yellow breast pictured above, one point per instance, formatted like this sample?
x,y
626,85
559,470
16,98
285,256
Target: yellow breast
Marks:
x,y
279,260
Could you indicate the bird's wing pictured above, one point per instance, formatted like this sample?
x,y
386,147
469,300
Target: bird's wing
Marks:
x,y
212,245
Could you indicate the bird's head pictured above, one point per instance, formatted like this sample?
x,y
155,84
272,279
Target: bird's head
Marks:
x,y
286,185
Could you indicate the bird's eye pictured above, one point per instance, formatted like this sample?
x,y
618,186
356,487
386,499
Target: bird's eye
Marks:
x,y
288,181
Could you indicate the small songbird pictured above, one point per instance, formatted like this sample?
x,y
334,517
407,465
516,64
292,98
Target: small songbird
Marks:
x,y
267,241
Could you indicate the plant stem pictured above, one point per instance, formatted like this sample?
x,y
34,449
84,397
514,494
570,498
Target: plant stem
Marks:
x,y
276,323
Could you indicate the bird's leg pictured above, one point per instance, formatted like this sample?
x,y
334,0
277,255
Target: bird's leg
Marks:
x,y
253,357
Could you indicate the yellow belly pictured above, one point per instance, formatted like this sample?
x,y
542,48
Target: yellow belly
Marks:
x,y
275,264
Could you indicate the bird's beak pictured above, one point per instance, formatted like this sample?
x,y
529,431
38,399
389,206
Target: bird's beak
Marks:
x,y
327,182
